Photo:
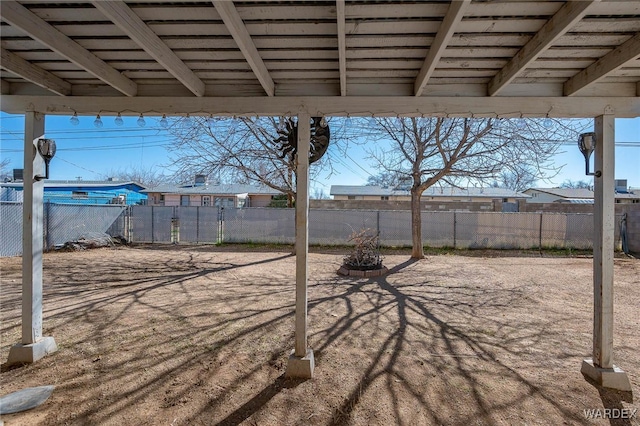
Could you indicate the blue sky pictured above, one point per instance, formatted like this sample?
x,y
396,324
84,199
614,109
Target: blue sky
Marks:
x,y
87,152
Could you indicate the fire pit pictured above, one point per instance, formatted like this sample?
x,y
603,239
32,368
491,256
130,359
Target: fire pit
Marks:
x,y
365,259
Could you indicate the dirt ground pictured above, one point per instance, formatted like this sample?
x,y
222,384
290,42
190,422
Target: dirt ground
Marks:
x,y
201,336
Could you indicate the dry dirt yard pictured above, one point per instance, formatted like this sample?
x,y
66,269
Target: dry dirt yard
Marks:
x,y
201,335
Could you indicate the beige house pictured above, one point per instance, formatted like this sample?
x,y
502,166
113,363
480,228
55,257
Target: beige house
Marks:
x,y
201,194
558,195
578,195
372,193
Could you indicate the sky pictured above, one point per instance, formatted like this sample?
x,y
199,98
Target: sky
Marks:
x,y
89,153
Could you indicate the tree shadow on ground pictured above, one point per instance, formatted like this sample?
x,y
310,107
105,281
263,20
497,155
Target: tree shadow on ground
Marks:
x,y
250,407
203,338
612,400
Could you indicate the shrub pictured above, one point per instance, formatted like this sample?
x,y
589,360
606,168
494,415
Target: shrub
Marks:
x,y
366,251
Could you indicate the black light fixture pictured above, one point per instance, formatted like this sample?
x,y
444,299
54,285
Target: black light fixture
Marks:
x,y
47,149
587,144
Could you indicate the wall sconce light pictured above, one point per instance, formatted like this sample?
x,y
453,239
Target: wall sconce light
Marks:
x,y
587,144
47,149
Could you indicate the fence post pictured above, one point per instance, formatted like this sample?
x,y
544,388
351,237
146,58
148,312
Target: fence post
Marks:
x,y
128,231
540,233
221,226
46,225
197,224
175,226
455,226
378,225
152,226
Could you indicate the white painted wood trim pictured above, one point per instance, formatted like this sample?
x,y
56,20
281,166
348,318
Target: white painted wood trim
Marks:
x,y
603,244
32,231
356,106
239,32
568,16
342,46
302,233
612,61
15,64
20,17
445,32
121,15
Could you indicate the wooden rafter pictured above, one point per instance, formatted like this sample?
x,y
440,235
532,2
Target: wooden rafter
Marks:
x,y
356,106
43,78
38,29
445,32
568,15
238,30
121,15
342,45
612,61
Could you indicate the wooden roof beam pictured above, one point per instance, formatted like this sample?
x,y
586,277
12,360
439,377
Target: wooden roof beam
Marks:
x,y
43,78
567,17
121,15
617,58
342,45
445,32
38,29
238,30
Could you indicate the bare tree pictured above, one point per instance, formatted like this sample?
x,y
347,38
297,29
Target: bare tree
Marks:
x,y
319,194
384,178
239,150
576,184
517,177
5,175
150,177
426,151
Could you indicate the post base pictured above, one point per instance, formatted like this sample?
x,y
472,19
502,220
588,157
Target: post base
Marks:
x,y
300,367
27,354
612,378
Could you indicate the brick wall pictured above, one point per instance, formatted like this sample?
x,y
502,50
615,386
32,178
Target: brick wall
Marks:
x,y
487,206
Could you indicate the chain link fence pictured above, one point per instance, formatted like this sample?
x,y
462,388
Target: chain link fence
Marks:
x,y
10,229
213,225
62,223
160,224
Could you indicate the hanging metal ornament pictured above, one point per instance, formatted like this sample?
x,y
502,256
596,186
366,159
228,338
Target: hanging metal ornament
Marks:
x,y
287,143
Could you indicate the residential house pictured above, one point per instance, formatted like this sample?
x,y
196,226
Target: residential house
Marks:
x,y
560,195
623,195
448,194
80,192
203,194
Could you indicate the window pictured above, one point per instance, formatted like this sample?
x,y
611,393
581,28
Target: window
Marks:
x,y
184,200
206,200
79,195
384,197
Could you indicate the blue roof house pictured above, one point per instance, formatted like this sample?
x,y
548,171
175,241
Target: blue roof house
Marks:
x,y
81,192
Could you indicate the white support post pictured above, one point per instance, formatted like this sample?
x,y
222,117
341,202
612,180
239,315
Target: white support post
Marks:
x,y
33,346
600,368
301,362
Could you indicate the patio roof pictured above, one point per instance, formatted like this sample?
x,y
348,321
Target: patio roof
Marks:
x,y
508,59
483,58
